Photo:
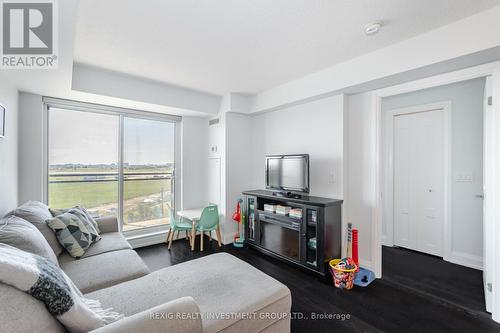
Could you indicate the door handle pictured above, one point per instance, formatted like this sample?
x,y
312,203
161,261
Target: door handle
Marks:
x,y
480,196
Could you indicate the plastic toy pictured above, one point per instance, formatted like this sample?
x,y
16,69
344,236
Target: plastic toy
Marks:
x,y
364,277
238,217
355,247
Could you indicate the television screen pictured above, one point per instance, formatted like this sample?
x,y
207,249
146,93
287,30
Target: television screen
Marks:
x,y
288,172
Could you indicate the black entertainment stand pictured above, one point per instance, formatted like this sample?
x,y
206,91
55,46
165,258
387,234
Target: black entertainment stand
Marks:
x,y
309,241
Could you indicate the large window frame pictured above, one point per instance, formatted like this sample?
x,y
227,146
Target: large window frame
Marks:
x,y
122,113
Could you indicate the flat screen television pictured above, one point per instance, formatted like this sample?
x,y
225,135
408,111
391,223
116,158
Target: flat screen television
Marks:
x,y
288,173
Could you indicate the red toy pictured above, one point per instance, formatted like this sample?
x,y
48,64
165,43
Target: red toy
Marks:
x,y
238,240
355,247
237,214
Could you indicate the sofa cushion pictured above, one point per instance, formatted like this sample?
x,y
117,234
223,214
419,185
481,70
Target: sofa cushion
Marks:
x,y
219,283
104,270
154,320
36,213
74,232
23,313
112,241
21,234
108,224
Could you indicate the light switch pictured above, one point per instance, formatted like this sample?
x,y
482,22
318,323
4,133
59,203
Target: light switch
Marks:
x,y
464,177
331,177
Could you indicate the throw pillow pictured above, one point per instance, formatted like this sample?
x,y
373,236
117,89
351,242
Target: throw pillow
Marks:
x,y
74,233
82,211
36,213
25,236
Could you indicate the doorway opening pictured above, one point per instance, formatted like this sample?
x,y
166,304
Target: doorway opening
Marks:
x,y
432,161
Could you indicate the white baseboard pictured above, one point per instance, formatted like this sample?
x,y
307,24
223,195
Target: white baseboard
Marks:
x,y
161,236
367,264
465,259
227,239
386,241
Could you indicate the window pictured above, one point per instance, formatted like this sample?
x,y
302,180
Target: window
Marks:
x,y
112,161
148,168
83,161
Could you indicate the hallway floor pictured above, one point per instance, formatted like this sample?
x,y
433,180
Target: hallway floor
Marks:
x,y
459,285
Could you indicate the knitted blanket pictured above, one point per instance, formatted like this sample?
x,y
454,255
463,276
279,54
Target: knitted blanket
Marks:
x,y
46,282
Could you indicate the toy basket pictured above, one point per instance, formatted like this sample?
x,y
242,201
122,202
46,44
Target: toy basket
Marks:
x,y
342,278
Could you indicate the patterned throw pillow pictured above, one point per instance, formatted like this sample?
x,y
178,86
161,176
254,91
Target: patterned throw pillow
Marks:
x,y
81,211
74,232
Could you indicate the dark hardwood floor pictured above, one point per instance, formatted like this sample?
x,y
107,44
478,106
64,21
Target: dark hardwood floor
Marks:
x,y
384,306
431,275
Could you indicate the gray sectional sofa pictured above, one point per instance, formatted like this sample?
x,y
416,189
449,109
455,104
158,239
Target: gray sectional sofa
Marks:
x,y
216,293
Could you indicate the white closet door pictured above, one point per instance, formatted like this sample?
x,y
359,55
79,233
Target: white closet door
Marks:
x,y
404,226
419,181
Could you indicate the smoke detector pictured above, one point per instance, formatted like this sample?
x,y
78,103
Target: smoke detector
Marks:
x,y
372,28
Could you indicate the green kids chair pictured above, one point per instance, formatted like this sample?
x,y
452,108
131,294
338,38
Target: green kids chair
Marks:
x,y
208,222
178,225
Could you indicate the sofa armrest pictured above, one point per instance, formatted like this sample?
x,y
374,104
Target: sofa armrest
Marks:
x,y
178,316
108,224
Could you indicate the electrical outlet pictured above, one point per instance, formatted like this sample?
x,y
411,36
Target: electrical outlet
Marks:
x,y
331,177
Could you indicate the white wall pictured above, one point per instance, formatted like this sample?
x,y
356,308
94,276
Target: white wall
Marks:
x,y
360,200
194,162
233,139
102,82
315,128
238,166
467,158
217,167
9,149
215,154
31,136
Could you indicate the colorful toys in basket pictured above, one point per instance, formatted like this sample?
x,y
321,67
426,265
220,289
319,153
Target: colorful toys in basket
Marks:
x,y
343,272
346,272
346,264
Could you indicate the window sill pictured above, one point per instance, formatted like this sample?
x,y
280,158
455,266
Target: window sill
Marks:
x,y
147,239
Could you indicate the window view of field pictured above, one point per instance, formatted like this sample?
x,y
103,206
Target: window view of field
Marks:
x,y
84,170
147,191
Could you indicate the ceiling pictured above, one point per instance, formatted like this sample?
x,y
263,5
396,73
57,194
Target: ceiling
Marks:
x,y
247,46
